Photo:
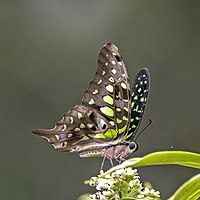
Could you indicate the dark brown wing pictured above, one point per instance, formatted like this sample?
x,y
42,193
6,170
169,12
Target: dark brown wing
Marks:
x,y
109,91
104,113
74,132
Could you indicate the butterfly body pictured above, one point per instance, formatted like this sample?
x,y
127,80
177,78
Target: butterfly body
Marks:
x,y
107,120
114,151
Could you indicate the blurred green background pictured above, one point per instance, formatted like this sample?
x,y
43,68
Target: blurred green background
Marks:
x,y
48,55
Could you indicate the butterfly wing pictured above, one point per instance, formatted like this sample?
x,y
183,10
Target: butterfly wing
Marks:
x,y
73,133
139,97
109,92
104,113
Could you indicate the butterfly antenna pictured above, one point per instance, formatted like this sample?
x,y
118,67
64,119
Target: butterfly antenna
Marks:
x,y
150,121
158,147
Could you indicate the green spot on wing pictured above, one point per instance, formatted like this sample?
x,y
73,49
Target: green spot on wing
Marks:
x,y
108,99
129,135
97,136
107,111
125,118
135,97
138,118
142,99
109,88
119,121
110,133
121,130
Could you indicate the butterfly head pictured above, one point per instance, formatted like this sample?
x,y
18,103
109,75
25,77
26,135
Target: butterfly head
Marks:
x,y
121,151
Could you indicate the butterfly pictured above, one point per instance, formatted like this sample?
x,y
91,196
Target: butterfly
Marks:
x,y
106,122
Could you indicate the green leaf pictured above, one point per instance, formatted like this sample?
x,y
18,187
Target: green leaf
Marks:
x,y
84,197
145,198
190,190
183,158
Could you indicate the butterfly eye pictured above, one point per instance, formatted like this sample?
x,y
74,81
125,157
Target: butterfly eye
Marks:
x,y
133,146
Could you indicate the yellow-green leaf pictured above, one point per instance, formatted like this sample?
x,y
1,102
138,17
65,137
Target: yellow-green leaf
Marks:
x,y
190,190
183,158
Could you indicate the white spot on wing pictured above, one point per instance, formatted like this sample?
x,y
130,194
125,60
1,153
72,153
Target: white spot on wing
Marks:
x,y
95,92
77,129
89,113
113,62
53,128
82,125
54,146
80,115
64,127
69,135
102,123
71,120
111,79
114,71
45,138
111,123
99,81
64,144
90,125
123,85
91,101
57,137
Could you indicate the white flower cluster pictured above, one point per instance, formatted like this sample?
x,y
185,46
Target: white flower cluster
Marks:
x,y
149,192
120,184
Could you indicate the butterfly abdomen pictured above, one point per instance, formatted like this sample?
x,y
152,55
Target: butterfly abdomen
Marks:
x,y
92,153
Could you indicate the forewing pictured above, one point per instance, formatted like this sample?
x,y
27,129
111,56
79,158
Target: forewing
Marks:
x,y
109,91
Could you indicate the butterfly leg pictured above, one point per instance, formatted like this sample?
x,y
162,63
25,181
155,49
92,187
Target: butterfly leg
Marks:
x,y
111,162
102,163
119,161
